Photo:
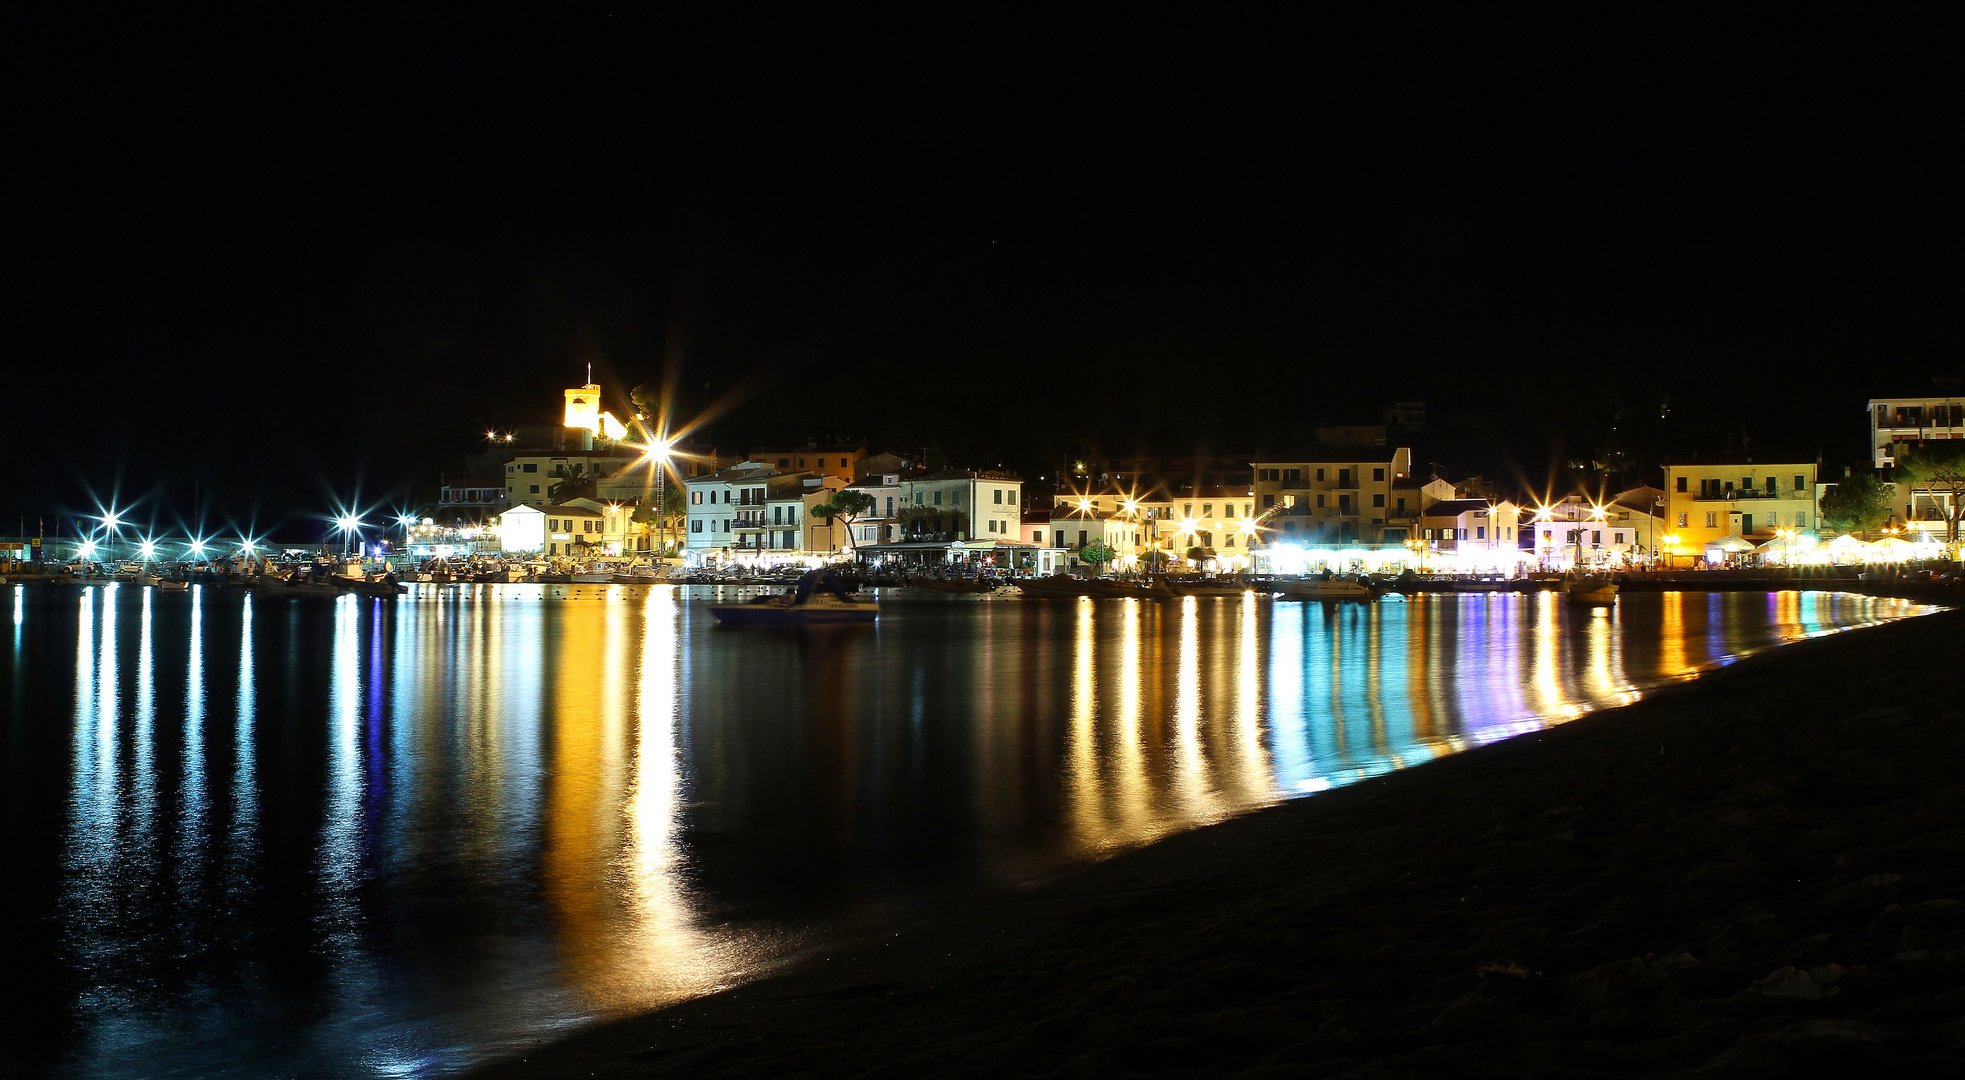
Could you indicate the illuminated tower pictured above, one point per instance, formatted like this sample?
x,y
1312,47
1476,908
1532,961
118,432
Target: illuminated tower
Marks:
x,y
583,412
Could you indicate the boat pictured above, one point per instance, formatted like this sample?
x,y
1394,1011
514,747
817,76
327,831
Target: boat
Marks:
x,y
591,577
149,579
953,585
381,587
174,585
1333,588
1055,587
1483,584
1590,590
1108,589
1205,587
817,600
275,587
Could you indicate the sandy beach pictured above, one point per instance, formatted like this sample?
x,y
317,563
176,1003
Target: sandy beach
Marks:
x,y
1757,873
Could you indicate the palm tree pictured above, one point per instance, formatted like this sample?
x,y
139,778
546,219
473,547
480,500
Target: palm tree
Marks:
x,y
576,484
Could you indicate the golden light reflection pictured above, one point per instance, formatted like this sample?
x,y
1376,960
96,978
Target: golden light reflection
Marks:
x,y
1189,785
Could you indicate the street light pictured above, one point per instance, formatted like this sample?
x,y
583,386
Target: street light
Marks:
x,y
349,525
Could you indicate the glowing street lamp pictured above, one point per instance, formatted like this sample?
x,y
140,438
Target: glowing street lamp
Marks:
x,y
349,525
147,549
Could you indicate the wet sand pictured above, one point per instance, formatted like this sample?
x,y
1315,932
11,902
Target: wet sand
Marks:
x,y
1758,873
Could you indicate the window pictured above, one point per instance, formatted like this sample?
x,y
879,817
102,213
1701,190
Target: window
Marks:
x,y
1402,505
1059,542
1378,474
1712,519
1228,510
1013,496
938,498
1798,482
1207,509
1344,478
1231,540
1480,532
1378,500
535,489
843,465
1800,519
1771,486
1081,538
1292,477
1268,501
1681,483
1596,538
917,499
1320,500
1616,538
531,466
999,496
1320,476
890,506
696,526
1267,476
1463,534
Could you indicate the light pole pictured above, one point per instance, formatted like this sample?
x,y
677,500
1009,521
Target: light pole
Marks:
x,y
349,525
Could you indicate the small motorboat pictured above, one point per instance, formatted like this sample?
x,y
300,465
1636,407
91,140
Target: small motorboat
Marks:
x,y
1590,590
174,585
817,600
1332,588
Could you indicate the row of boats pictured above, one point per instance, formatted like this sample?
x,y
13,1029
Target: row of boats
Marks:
x,y
821,598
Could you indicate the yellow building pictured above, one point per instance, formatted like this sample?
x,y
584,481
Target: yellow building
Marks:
x,y
842,462
1706,502
1337,494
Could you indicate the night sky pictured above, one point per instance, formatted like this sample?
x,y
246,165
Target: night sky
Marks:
x,y
260,266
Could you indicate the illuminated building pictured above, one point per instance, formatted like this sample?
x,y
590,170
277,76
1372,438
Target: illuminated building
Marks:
x,y
882,523
1895,422
584,414
1707,502
724,513
792,533
1334,494
836,461
522,529
957,504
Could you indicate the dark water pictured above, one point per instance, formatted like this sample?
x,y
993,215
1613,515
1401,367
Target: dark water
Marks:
x,y
382,838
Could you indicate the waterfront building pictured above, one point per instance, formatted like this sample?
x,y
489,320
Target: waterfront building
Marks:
x,y
1333,494
1706,502
792,533
957,504
1576,531
836,461
1900,421
722,507
1471,534
881,524
1073,529
522,530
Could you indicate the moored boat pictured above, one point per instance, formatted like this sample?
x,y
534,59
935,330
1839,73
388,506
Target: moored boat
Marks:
x,y
1334,588
817,600
1206,587
1590,590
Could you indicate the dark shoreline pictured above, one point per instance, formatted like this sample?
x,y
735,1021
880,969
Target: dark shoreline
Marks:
x,y
1622,895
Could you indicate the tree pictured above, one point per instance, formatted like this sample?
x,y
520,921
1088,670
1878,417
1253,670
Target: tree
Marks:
x,y
645,516
847,506
1939,468
1858,504
1096,553
576,484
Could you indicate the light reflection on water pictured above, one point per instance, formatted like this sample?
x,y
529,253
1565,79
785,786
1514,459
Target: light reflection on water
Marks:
x,y
394,837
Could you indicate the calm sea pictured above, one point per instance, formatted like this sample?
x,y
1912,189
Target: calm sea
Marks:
x,y
366,838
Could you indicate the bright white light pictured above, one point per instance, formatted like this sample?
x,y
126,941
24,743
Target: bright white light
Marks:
x,y
88,548
110,520
406,519
246,546
197,547
348,522
148,548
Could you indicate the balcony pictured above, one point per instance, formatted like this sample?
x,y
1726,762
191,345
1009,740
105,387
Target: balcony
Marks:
x,y
1739,495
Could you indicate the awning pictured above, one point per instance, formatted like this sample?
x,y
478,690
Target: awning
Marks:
x,y
1731,545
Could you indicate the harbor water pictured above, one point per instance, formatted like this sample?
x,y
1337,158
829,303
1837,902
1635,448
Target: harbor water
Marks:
x,y
376,838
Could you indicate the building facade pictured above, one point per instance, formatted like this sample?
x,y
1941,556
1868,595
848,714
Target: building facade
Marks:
x,y
1333,495
1895,422
1707,502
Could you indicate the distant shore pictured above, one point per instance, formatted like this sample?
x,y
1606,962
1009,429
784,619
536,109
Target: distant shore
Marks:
x,y
1755,872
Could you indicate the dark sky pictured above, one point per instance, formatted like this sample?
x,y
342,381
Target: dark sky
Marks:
x,y
279,263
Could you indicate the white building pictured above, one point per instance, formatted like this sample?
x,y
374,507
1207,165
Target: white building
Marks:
x,y
522,529
1897,421
725,512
